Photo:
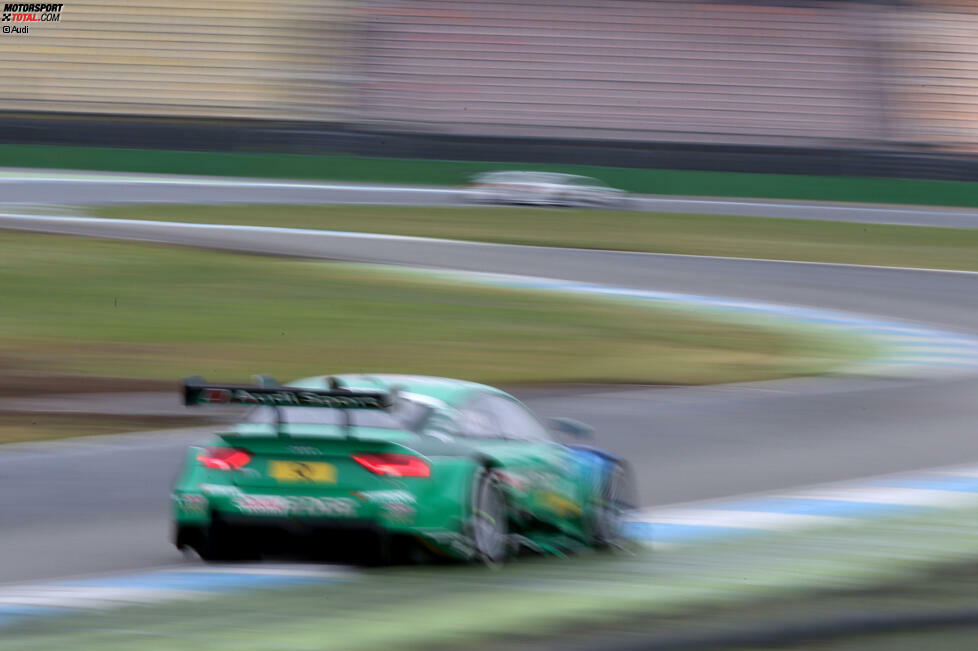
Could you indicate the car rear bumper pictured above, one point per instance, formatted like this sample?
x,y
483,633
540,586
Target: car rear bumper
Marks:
x,y
347,539
356,540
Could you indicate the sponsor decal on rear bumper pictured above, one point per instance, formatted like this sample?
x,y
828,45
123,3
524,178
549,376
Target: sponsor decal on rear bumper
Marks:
x,y
395,506
191,504
295,506
262,504
386,496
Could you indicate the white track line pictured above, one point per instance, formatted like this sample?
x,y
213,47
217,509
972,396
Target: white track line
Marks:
x,y
228,183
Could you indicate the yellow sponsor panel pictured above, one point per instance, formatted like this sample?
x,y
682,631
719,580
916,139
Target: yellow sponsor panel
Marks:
x,y
302,471
560,504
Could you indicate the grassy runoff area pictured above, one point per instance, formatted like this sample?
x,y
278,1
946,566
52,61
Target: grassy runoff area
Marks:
x,y
83,307
768,591
719,235
440,172
38,426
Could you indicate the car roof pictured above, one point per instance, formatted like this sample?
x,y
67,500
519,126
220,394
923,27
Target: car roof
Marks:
x,y
451,391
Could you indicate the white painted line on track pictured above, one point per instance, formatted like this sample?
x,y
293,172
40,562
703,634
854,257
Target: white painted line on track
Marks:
x,y
237,227
850,265
227,183
92,597
274,569
793,204
742,519
849,503
960,472
886,495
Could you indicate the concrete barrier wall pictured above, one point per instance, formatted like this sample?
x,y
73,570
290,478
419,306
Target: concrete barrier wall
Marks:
x,y
651,70
932,73
799,73
219,58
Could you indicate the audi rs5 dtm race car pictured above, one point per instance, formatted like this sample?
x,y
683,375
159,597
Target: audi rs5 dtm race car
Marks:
x,y
391,468
543,189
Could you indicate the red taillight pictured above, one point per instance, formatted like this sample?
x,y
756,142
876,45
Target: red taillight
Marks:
x,y
394,465
224,458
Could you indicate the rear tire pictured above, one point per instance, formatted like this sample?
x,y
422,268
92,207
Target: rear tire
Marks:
x,y
219,544
488,521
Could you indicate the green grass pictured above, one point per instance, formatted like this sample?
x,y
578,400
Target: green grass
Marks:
x,y
748,237
914,564
438,172
15,426
79,307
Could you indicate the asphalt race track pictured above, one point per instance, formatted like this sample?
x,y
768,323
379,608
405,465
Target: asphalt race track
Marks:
x,y
81,188
101,505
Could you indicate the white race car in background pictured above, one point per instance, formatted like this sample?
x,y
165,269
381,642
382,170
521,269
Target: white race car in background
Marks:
x,y
542,189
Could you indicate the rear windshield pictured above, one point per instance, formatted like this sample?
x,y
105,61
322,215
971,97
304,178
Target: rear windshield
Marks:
x,y
404,415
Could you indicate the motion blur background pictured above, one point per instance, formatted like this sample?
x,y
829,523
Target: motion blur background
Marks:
x,y
831,88
894,75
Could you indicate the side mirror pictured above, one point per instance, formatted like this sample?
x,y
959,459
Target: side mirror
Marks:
x,y
571,427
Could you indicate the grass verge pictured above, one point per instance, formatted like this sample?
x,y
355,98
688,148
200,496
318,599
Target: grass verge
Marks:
x,y
101,308
17,426
438,172
747,237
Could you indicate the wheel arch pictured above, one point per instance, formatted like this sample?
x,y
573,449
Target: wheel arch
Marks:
x,y
487,461
611,461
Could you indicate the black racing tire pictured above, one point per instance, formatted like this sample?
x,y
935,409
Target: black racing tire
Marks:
x,y
615,499
488,526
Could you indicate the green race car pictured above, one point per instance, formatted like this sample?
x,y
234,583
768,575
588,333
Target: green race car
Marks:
x,y
391,468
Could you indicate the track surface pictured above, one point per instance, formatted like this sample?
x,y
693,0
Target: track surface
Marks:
x,y
102,505
79,188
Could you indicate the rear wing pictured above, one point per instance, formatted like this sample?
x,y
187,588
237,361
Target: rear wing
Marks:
x,y
196,391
